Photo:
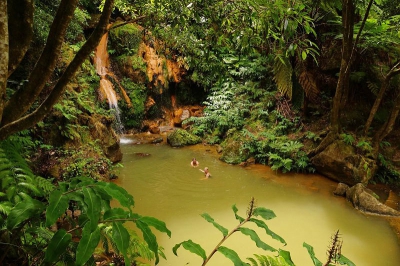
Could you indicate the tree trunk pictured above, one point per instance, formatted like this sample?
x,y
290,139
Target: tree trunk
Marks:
x,y
385,84
3,54
23,99
387,128
344,74
20,30
36,116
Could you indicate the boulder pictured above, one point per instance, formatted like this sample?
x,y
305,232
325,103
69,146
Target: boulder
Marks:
x,y
341,189
233,153
340,162
180,137
364,199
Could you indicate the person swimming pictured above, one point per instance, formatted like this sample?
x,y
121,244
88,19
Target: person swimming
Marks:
x,y
194,162
206,172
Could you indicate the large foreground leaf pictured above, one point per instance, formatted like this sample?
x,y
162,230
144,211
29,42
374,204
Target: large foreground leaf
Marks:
x,y
149,237
87,244
157,224
23,211
262,224
310,250
192,247
118,193
58,204
93,204
253,235
57,245
121,238
265,213
232,255
209,219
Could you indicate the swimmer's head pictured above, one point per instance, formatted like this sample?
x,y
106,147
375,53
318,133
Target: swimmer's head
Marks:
x,y
206,168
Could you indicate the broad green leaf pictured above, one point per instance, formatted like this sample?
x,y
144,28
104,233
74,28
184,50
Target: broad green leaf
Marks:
x,y
121,238
58,204
93,206
157,224
345,261
264,213
192,247
235,210
115,213
57,245
209,219
23,211
253,235
303,55
310,250
149,237
262,224
232,255
118,193
87,244
286,256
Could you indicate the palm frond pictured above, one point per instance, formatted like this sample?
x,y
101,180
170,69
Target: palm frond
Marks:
x,y
283,76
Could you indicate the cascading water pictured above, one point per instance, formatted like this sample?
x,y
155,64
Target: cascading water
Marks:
x,y
106,87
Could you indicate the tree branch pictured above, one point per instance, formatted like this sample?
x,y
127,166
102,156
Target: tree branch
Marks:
x,y
36,116
22,100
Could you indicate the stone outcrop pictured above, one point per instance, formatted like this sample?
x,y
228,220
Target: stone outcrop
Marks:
x,y
180,137
364,199
340,162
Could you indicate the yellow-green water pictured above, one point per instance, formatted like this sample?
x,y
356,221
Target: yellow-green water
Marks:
x,y
165,186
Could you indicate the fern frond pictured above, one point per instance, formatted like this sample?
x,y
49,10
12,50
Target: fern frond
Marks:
x,y
309,85
283,76
373,87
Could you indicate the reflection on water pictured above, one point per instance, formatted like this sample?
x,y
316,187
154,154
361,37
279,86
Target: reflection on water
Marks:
x,y
165,186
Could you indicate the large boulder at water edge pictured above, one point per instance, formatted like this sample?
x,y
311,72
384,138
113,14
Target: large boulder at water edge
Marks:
x,y
101,129
340,162
232,148
180,137
365,200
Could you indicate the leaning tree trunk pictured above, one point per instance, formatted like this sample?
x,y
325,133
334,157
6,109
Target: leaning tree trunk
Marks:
x,y
387,128
343,81
37,115
3,54
20,30
22,100
385,84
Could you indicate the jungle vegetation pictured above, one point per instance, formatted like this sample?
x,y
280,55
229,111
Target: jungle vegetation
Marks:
x,y
285,78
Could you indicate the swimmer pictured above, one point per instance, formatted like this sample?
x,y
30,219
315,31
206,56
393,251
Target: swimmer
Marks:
x,y
206,172
194,163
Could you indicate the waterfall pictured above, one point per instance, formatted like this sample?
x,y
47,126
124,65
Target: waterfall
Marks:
x,y
106,87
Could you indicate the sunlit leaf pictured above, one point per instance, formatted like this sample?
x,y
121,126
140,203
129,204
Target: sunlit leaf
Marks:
x,y
310,250
115,213
149,237
232,255
286,256
345,261
262,224
253,235
157,224
235,210
192,247
209,219
264,213
118,193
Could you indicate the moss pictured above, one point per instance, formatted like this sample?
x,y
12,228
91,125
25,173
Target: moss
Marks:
x,y
125,40
180,137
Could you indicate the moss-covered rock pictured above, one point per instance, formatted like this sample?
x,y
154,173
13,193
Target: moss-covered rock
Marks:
x,y
180,137
341,163
125,39
232,149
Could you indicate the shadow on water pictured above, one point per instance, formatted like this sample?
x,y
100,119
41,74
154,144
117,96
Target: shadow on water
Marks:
x,y
165,186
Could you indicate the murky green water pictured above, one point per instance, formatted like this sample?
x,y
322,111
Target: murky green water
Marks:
x,y
165,186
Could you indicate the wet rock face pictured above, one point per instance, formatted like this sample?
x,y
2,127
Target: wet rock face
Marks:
x,y
341,163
